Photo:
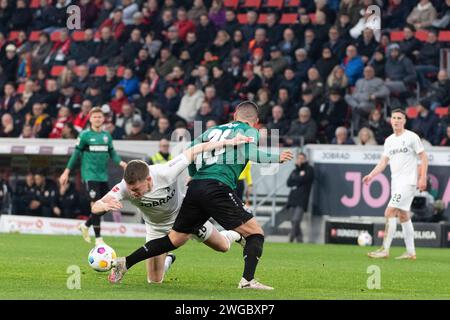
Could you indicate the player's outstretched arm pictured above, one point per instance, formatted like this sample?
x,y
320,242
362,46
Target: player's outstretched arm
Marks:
x,y
192,152
379,168
105,204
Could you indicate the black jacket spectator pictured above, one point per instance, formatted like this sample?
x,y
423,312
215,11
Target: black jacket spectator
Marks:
x,y
5,197
300,180
23,195
107,51
68,201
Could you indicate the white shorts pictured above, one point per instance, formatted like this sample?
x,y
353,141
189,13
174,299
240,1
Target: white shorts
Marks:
x,y
402,196
203,233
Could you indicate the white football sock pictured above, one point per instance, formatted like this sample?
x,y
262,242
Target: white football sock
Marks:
x,y
167,263
408,234
391,227
231,236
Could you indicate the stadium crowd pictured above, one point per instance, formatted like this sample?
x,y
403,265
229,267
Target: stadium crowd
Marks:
x,y
156,66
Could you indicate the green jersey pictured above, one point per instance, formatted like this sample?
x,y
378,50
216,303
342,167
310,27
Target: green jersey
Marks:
x,y
95,148
226,164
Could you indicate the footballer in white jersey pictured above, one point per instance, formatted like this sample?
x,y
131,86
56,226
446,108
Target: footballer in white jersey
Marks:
x,y
156,191
402,150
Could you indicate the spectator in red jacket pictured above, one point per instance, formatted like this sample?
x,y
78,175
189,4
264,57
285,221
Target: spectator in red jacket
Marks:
x,y
64,116
115,23
183,24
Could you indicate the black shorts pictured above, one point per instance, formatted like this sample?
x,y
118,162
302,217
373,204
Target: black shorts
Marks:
x,y
206,199
96,189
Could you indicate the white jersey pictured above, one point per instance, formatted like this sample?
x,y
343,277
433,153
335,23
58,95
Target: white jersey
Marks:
x,y
160,206
402,152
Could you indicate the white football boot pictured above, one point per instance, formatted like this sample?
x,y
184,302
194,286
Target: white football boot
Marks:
x,y
253,284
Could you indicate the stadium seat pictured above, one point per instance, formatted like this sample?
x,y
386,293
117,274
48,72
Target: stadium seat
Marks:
x,y
55,36
120,71
100,71
444,36
13,35
422,35
251,4
78,35
274,4
231,4
441,111
312,17
397,36
289,18
292,4
21,88
262,19
242,18
56,70
34,4
412,112
34,36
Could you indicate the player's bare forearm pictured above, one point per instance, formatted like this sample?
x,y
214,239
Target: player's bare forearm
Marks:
x,y
379,168
423,168
105,204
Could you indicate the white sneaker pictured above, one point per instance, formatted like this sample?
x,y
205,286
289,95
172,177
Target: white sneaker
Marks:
x,y
407,256
99,241
379,254
118,271
252,284
84,232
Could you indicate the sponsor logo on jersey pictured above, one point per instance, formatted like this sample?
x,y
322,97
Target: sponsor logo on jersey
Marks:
x,y
100,148
116,189
157,202
393,152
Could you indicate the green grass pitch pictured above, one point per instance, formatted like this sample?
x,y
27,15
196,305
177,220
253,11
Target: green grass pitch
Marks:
x,y
35,267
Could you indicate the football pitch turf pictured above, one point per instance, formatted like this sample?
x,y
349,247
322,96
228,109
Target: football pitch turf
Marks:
x,y
35,267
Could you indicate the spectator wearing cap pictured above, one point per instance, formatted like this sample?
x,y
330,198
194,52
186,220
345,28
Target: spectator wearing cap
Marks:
x,y
367,90
10,63
341,136
303,130
428,59
399,70
129,83
82,117
422,15
136,132
162,130
426,122
190,103
127,117
277,61
353,65
107,49
164,65
410,44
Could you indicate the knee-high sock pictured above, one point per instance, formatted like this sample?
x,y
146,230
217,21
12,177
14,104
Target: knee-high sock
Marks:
x,y
167,263
391,227
151,249
408,234
94,220
252,252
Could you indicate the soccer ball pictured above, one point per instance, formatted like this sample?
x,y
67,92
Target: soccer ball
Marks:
x,y
364,239
101,257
